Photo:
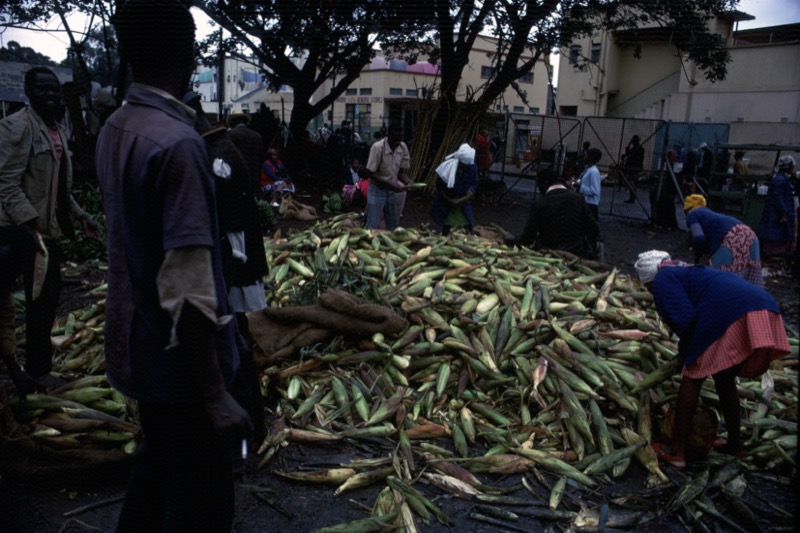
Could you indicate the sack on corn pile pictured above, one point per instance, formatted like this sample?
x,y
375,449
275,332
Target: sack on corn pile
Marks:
x,y
292,209
279,332
489,234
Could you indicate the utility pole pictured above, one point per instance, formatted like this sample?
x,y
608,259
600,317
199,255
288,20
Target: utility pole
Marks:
x,y
221,81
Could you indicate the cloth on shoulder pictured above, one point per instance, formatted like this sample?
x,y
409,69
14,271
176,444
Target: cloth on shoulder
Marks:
x,y
280,332
447,170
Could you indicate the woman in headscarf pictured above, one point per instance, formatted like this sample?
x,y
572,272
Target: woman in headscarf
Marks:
x,y
727,328
731,245
455,188
778,228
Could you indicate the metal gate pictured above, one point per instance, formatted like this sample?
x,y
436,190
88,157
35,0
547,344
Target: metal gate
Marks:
x,y
535,142
624,194
683,136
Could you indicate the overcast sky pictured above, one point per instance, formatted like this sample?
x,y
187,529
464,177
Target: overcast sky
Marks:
x,y
54,44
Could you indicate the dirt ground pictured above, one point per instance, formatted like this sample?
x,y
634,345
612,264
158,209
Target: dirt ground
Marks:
x,y
265,502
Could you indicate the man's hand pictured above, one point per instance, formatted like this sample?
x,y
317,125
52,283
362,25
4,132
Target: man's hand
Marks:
x,y
229,420
90,228
196,336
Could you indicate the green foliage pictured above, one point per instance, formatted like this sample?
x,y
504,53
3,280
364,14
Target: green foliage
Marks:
x,y
332,203
79,248
266,216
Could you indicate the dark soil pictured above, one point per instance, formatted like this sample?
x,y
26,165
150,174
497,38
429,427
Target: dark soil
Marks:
x,y
266,502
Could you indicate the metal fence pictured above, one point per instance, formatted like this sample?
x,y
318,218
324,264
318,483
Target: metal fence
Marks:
x,y
535,142
626,194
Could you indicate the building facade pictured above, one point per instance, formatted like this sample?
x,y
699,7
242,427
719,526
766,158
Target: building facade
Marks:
x,y
387,90
760,97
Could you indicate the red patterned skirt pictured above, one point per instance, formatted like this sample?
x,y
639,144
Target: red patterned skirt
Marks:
x,y
754,340
739,253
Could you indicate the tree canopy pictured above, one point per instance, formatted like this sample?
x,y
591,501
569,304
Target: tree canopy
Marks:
x,y
303,43
308,44
24,54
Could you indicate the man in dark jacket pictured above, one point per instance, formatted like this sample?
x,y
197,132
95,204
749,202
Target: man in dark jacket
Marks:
x,y
560,220
249,143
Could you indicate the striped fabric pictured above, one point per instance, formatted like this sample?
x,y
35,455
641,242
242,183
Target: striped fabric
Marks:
x,y
756,339
739,253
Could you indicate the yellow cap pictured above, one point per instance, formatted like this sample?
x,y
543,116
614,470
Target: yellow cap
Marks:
x,y
693,201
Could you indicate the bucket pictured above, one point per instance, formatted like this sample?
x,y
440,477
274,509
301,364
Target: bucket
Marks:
x,y
705,426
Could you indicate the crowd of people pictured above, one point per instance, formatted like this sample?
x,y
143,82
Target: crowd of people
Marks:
x,y
186,261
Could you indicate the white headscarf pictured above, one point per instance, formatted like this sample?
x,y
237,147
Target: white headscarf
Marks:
x,y
447,170
647,264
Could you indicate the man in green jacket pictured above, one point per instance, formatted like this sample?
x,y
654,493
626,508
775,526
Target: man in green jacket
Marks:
x,y
36,209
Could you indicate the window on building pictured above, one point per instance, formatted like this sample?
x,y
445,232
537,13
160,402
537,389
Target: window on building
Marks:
x,y
526,78
487,73
366,91
519,109
228,78
351,92
569,110
505,108
534,110
497,107
411,92
394,91
574,54
361,117
595,52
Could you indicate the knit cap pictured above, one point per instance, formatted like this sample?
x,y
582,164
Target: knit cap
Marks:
x,y
647,264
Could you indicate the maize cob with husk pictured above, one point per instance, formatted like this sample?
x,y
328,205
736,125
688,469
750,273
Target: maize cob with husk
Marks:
x,y
453,485
364,525
690,490
417,501
362,479
557,493
555,465
490,362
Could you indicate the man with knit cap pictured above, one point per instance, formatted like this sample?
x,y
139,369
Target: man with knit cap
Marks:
x,y
731,245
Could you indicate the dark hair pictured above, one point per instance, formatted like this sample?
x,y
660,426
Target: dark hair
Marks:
x,y
547,177
146,29
395,127
594,154
635,139
30,76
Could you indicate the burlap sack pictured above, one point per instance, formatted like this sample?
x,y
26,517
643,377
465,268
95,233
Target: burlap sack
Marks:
x,y
280,332
293,210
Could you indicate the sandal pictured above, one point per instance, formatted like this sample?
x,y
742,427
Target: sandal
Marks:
x,y
678,461
721,446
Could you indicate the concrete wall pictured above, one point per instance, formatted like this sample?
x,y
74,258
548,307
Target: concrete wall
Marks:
x,y
783,133
763,85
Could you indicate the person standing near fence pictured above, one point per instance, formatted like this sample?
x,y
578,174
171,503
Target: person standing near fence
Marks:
x,y
778,227
483,153
590,182
632,165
